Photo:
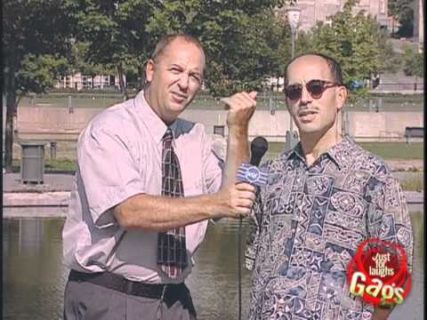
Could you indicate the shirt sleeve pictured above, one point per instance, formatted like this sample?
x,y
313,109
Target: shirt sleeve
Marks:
x,y
213,165
388,216
108,171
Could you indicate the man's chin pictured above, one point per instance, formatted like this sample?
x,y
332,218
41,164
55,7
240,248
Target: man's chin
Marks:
x,y
308,129
178,106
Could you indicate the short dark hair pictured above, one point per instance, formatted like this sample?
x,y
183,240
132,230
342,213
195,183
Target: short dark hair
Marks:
x,y
334,66
166,40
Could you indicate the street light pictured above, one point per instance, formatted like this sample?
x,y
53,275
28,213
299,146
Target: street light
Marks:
x,y
293,13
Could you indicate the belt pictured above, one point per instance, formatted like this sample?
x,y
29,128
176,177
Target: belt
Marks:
x,y
169,293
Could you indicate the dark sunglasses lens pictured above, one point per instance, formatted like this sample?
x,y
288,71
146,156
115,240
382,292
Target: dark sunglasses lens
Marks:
x,y
293,92
315,88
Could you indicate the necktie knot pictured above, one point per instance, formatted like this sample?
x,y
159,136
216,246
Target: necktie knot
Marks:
x,y
167,137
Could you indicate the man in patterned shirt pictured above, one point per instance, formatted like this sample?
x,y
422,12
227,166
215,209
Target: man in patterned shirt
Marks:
x,y
322,199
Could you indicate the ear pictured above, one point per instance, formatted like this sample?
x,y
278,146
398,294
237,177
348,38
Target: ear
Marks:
x,y
341,97
149,70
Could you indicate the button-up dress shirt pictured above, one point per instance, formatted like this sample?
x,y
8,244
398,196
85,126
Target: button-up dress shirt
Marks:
x,y
119,155
308,222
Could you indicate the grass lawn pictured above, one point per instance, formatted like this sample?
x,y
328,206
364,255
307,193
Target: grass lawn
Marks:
x,y
414,184
386,150
396,150
265,101
51,166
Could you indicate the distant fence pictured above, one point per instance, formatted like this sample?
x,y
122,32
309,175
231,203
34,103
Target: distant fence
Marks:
x,y
401,87
266,100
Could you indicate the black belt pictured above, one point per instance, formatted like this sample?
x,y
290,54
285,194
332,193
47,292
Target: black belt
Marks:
x,y
169,293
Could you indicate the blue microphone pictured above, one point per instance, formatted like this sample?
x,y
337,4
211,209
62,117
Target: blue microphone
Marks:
x,y
249,172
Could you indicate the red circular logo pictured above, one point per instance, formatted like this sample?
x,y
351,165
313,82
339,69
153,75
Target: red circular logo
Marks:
x,y
378,273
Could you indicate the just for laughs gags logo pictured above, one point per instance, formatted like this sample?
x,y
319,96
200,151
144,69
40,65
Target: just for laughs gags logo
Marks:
x,y
378,273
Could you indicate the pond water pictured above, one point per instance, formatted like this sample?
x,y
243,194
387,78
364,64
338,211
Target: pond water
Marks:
x,y
34,276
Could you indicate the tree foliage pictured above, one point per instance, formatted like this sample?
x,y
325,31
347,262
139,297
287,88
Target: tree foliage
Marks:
x,y
403,11
390,60
115,32
34,45
354,40
413,62
242,39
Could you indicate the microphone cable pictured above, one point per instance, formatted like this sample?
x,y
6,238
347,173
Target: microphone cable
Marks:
x,y
259,147
239,267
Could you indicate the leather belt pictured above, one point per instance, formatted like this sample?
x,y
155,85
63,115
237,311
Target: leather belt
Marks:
x,y
169,293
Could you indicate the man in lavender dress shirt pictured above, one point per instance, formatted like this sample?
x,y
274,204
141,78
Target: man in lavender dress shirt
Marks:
x,y
116,209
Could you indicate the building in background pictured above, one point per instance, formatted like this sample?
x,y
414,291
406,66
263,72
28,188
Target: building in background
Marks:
x,y
313,11
79,81
419,23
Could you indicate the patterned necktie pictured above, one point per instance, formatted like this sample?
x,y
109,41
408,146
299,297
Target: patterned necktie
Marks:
x,y
171,249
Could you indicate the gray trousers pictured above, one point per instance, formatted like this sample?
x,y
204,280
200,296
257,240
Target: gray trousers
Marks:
x,y
87,301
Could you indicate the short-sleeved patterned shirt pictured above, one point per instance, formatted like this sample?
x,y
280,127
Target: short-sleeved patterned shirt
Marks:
x,y
308,222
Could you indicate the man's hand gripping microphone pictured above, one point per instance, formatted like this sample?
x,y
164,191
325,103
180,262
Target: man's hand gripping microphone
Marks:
x,y
250,173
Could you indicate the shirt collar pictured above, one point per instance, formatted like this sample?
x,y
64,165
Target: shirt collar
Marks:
x,y
151,119
338,153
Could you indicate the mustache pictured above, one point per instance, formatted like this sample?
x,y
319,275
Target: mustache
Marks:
x,y
306,109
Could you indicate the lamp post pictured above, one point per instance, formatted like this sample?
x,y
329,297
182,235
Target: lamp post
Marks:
x,y
293,13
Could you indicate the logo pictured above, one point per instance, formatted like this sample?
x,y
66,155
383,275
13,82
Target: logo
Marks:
x,y
251,174
378,273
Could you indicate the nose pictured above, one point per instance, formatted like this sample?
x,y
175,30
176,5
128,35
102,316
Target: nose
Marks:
x,y
183,82
305,95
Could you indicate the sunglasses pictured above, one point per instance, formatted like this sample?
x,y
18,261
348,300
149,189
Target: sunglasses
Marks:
x,y
314,87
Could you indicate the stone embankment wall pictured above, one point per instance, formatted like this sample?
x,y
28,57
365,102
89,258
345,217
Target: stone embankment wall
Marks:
x,y
58,123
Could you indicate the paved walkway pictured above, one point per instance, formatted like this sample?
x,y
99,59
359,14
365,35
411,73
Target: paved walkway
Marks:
x,y
22,200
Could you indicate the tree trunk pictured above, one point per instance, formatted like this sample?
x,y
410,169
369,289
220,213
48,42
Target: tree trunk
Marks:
x,y
9,130
122,81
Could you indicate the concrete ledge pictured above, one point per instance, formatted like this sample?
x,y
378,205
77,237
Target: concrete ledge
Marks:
x,y
34,212
55,204
33,199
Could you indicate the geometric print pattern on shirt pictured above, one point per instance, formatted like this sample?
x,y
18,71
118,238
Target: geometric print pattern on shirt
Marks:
x,y
307,223
171,249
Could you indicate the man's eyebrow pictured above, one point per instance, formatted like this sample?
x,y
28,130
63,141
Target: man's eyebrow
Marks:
x,y
175,65
196,70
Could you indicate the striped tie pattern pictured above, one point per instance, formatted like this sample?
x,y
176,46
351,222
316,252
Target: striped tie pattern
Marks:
x,y
171,250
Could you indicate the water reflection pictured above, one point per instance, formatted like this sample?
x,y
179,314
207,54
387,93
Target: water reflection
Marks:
x,y
34,277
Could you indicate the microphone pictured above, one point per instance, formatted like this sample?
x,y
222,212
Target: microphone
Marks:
x,y
249,172
259,147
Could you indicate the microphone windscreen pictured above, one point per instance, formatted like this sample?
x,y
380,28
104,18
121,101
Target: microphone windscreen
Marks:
x,y
259,147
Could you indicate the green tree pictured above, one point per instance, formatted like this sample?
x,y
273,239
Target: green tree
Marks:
x,y
115,32
413,62
403,11
34,47
353,40
391,61
80,62
244,41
